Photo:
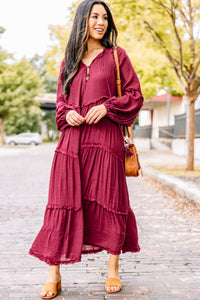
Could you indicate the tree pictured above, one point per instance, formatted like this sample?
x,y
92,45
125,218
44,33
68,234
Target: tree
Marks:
x,y
25,119
150,64
19,84
59,36
49,118
3,56
174,28
152,69
49,83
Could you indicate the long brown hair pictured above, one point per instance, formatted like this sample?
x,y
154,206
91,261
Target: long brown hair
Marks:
x,y
77,43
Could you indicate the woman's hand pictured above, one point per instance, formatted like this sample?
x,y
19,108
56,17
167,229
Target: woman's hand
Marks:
x,y
95,114
74,119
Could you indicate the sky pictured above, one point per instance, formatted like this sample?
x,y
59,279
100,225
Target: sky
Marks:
x,y
26,23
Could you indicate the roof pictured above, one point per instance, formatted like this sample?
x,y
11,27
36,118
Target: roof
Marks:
x,y
46,98
163,98
157,101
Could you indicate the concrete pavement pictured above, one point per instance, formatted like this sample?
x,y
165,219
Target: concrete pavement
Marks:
x,y
187,186
168,266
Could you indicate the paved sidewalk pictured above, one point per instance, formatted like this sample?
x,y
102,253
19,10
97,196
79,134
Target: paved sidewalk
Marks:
x,y
168,266
186,186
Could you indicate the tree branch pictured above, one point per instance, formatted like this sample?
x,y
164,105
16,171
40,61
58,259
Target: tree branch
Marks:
x,y
174,3
198,90
173,18
172,14
180,80
159,2
196,55
158,40
194,71
191,27
176,64
186,67
184,18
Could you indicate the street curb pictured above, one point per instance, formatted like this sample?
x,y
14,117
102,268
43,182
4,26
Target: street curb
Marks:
x,y
185,189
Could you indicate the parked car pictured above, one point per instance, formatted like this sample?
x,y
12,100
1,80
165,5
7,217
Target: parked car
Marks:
x,y
25,138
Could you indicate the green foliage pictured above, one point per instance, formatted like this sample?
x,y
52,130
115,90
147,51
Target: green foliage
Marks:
x,y
136,122
49,83
152,67
169,27
164,27
3,55
49,118
2,30
38,62
25,119
19,84
153,70
59,35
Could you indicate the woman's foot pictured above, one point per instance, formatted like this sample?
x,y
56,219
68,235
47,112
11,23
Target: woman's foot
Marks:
x,y
55,277
113,267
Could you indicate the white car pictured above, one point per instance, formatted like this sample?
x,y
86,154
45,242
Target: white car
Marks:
x,y
26,138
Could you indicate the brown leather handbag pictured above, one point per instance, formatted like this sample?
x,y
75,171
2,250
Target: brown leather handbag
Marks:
x,y
132,163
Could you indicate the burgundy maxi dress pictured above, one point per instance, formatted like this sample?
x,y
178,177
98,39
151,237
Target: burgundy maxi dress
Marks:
x,y
88,206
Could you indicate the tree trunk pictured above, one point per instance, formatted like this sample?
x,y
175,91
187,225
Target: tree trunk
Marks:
x,y
2,132
190,133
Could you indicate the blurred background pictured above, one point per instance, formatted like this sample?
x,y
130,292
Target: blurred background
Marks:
x,y
162,41
30,54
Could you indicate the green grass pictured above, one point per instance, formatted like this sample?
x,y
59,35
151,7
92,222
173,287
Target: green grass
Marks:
x,y
178,170
46,141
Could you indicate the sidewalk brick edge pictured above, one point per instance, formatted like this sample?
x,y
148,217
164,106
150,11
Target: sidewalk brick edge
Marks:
x,y
185,189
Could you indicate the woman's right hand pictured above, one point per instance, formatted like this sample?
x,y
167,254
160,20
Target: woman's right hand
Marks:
x,y
74,119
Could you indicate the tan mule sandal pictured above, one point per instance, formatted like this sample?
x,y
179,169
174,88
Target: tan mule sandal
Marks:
x,y
51,287
111,281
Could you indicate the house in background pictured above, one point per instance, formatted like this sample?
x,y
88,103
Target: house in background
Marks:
x,y
47,102
159,111
162,125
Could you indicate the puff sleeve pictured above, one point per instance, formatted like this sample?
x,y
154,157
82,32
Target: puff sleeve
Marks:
x,y
62,106
125,109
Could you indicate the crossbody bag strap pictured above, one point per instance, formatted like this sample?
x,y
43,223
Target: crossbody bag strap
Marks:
x,y
118,80
119,83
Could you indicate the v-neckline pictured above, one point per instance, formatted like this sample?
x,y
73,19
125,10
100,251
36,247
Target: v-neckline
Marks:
x,y
87,66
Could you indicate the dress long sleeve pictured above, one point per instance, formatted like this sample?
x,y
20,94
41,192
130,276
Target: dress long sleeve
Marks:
x,y
62,106
125,109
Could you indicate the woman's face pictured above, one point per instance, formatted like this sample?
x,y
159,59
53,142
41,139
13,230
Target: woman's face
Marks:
x,y
98,22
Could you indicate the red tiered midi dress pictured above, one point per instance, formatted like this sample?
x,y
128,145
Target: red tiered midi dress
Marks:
x,y
88,207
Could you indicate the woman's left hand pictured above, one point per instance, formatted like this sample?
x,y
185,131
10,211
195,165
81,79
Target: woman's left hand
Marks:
x,y
95,114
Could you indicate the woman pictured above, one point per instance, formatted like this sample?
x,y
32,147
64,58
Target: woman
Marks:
x,y
88,207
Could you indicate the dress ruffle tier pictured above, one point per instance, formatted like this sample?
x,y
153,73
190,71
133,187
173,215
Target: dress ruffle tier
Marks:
x,y
88,206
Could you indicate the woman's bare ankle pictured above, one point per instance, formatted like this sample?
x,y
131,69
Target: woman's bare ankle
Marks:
x,y
113,266
114,261
54,274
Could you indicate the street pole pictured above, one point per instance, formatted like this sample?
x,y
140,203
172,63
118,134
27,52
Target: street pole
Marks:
x,y
168,108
